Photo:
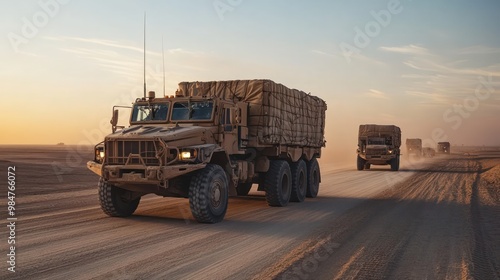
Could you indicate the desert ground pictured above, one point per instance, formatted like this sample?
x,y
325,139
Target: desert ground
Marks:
x,y
434,219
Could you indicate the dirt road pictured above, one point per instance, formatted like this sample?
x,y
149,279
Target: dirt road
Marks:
x,y
434,219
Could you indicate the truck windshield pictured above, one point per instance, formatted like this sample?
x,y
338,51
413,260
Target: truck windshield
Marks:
x,y
376,141
192,110
150,112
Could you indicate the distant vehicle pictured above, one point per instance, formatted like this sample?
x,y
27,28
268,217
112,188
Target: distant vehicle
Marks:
x,y
212,140
378,145
443,147
428,152
414,147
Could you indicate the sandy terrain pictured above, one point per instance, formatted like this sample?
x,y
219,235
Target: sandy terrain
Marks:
x,y
434,219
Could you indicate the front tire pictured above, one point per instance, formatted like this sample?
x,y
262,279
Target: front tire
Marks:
x,y
278,183
299,181
360,163
313,178
208,194
395,163
117,202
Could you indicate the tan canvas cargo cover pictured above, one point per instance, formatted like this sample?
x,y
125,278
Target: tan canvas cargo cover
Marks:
x,y
414,142
375,130
277,114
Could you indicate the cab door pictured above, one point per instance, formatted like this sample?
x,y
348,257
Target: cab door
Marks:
x,y
228,129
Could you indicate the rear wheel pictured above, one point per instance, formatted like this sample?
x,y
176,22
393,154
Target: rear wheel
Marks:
x,y
299,181
117,202
208,194
395,163
244,188
360,163
278,183
313,178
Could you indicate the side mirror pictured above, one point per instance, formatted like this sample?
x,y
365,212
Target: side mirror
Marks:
x,y
114,120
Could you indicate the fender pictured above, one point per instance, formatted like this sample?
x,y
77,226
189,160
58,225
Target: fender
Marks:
x,y
219,156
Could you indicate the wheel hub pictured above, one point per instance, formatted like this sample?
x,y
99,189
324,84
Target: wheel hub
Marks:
x,y
216,195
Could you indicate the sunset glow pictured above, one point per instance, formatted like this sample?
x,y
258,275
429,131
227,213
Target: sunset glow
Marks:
x,y
431,68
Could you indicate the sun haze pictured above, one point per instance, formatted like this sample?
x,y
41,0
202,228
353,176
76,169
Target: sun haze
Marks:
x,y
431,68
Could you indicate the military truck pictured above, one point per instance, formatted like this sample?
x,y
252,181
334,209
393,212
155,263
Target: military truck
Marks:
x,y
212,140
378,145
443,147
414,146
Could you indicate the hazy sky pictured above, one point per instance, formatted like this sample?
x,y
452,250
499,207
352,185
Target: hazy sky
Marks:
x,y
431,67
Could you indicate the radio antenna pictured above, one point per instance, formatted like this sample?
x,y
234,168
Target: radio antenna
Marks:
x,y
163,57
144,54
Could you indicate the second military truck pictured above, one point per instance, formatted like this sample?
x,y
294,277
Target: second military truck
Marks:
x,y
414,146
443,147
212,140
378,145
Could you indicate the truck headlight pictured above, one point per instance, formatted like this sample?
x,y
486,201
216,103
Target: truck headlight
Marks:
x,y
188,154
390,151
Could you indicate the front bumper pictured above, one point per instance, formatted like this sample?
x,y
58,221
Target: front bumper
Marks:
x,y
140,174
378,159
